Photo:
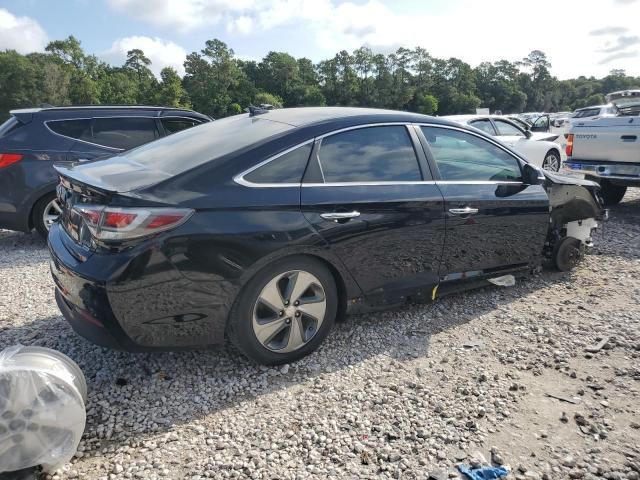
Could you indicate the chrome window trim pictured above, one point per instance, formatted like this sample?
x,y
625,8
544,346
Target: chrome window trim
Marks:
x,y
367,184
239,178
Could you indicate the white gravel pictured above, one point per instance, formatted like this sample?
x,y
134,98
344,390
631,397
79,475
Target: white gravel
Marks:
x,y
400,394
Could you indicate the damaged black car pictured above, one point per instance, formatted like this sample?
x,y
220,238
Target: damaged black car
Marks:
x,y
264,228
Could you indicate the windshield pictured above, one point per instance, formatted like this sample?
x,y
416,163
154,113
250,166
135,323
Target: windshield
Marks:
x,y
195,146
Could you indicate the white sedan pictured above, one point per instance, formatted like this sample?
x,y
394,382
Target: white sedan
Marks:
x,y
532,146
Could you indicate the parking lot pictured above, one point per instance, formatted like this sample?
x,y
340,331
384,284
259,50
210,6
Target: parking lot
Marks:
x,y
397,394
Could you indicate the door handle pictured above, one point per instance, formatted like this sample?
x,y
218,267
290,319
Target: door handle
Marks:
x,y
629,138
337,216
463,211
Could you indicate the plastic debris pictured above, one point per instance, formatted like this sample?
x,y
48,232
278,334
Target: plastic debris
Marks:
x,y
504,281
483,473
42,408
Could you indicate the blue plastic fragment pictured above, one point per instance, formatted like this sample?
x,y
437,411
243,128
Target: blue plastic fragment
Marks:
x,y
483,473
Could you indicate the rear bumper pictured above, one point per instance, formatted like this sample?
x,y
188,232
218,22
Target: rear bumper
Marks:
x,y
14,221
624,172
84,324
135,300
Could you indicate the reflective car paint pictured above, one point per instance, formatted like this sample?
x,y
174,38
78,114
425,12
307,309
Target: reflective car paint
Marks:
x,y
176,289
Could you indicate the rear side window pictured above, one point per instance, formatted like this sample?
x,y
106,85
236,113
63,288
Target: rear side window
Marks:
x,y
463,157
485,126
124,132
173,125
287,168
371,154
79,129
506,129
193,147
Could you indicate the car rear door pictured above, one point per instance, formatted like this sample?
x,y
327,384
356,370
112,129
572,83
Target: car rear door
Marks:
x,y
495,222
369,193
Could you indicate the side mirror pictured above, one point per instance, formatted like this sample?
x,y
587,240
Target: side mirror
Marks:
x,y
532,175
528,133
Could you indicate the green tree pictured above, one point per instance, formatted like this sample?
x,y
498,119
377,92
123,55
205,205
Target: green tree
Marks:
x,y
212,77
262,98
170,90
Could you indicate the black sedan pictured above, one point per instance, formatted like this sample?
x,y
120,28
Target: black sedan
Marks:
x,y
266,227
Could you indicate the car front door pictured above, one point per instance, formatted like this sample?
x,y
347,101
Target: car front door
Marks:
x,y
495,222
369,193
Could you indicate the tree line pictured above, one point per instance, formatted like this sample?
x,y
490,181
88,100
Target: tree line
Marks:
x,y
219,84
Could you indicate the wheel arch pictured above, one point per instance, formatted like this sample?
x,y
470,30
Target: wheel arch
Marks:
x,y
346,286
35,198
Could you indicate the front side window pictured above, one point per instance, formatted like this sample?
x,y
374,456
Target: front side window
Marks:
x,y
371,154
461,156
506,129
79,129
124,132
287,168
173,125
484,125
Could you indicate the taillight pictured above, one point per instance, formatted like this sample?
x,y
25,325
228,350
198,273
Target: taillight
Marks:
x,y
116,224
569,148
7,159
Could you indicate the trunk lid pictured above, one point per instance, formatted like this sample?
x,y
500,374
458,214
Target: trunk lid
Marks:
x,y
613,139
116,174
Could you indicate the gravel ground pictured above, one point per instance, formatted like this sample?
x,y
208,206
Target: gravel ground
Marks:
x,y
401,394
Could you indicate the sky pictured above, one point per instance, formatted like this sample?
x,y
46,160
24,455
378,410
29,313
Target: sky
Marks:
x,y
580,37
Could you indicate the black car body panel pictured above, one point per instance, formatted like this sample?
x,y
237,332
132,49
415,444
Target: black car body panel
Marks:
x,y
23,183
175,289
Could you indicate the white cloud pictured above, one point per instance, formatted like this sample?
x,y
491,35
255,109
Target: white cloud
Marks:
x,y
241,24
184,15
468,29
22,34
162,53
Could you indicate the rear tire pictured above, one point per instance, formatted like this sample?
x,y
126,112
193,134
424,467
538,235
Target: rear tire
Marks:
x,y
552,161
43,213
270,328
612,194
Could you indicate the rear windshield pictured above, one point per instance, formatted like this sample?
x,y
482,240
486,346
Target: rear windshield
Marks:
x,y
9,126
190,148
592,112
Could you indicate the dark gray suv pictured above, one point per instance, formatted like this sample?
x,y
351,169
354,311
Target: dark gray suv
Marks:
x,y
32,140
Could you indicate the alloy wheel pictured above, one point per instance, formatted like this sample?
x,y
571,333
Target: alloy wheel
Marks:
x,y
289,311
51,213
551,162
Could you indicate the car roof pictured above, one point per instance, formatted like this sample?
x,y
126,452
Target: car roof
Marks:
x,y
76,111
309,116
590,108
96,107
469,118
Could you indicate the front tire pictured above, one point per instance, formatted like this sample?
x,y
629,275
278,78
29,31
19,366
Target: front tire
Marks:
x,y
45,212
612,194
284,312
567,254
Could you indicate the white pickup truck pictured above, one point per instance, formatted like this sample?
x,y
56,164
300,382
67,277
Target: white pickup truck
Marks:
x,y
607,150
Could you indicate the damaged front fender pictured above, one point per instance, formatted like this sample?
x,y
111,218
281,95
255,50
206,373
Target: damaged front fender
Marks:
x,y
576,207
